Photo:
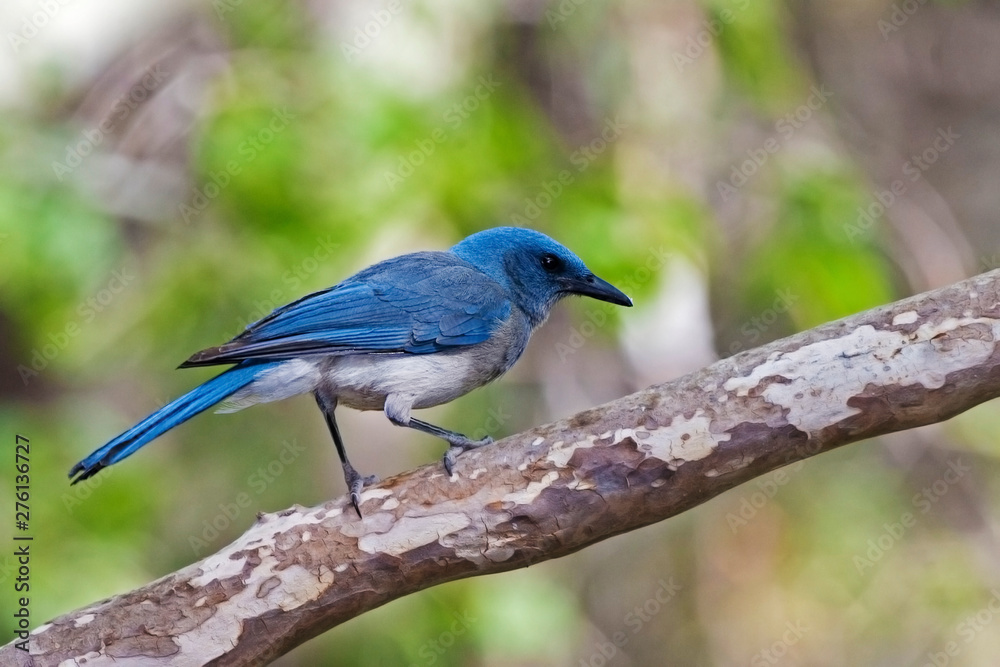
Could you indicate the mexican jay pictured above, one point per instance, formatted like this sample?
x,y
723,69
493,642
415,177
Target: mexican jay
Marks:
x,y
407,333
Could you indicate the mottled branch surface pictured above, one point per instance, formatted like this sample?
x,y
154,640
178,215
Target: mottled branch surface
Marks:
x,y
553,490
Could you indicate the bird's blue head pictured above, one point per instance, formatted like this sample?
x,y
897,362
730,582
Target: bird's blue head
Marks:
x,y
536,270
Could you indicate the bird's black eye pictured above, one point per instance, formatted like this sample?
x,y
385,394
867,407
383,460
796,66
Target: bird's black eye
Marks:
x,y
551,263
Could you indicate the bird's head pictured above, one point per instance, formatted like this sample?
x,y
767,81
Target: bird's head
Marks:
x,y
536,270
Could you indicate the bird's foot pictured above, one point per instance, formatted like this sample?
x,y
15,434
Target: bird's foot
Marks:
x,y
356,484
460,447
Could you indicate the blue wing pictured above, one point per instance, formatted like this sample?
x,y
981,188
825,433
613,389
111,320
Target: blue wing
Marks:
x,y
418,303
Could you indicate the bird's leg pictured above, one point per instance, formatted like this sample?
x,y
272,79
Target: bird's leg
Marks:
x,y
397,409
355,482
459,443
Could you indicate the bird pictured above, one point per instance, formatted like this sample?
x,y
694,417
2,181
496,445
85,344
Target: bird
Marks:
x,y
406,333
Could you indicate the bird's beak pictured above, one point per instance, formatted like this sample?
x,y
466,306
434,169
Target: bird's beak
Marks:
x,y
597,288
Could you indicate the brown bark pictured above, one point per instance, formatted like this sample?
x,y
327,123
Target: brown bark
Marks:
x,y
554,489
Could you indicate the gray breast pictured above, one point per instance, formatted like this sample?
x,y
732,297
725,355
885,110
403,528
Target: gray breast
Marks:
x,y
364,381
494,357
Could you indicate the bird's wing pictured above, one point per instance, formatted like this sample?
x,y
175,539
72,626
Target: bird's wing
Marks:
x,y
419,303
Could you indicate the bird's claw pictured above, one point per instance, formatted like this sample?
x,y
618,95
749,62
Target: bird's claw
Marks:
x,y
356,501
449,459
356,484
459,448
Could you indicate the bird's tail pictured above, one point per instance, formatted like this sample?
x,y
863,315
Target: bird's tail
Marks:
x,y
176,412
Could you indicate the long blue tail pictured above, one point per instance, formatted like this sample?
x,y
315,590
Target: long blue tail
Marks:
x,y
197,400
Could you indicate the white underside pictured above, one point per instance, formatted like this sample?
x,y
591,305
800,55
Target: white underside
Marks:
x,y
363,382
294,377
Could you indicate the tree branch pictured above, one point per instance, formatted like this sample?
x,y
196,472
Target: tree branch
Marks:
x,y
554,489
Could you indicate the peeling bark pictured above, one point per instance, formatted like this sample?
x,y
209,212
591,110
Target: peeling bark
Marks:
x,y
554,489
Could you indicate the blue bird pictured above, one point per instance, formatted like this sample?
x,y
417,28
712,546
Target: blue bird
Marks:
x,y
410,332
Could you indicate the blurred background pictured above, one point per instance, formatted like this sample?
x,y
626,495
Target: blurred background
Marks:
x,y
173,170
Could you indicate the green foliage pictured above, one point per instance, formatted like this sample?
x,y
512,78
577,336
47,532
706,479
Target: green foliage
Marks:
x,y
754,52
811,255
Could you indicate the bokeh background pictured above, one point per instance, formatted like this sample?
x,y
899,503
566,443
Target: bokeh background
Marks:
x,y
173,170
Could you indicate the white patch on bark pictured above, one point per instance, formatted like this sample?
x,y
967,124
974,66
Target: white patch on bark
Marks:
x,y
468,543
221,565
326,512
373,522
83,620
410,532
832,371
295,587
909,317
579,484
265,588
499,554
680,441
527,495
561,452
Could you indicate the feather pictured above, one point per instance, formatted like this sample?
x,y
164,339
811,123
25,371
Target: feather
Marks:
x,y
419,303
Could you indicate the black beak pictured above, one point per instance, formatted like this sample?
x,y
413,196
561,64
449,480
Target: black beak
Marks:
x,y
594,287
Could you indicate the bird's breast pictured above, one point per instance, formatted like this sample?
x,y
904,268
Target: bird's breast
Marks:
x,y
364,381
